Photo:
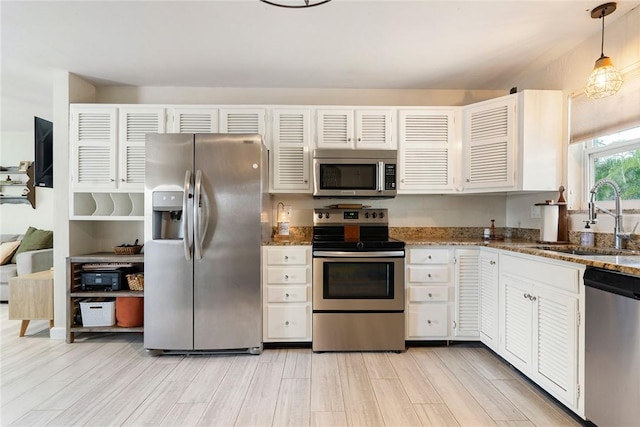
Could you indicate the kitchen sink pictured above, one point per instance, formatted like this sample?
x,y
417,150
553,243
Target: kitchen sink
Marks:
x,y
588,251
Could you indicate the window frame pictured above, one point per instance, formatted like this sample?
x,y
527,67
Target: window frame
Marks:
x,y
591,153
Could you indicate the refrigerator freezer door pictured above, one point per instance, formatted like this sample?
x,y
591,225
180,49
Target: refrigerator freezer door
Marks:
x,y
227,297
168,293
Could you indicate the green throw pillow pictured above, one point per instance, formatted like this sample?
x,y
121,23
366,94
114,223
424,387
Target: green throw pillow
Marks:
x,y
34,239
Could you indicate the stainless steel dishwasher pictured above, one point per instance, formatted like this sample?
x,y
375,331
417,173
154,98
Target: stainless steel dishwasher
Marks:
x,y
612,344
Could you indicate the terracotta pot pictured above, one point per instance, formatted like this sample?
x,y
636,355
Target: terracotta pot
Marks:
x,y
129,312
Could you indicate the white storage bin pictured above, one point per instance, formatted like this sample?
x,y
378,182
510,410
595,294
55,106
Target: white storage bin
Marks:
x,y
98,313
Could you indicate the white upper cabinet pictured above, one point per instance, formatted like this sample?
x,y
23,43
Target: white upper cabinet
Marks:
x,y
107,145
193,120
350,128
427,150
291,159
135,123
94,142
243,120
489,144
507,141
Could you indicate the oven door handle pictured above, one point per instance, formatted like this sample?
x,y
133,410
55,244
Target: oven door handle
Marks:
x,y
345,254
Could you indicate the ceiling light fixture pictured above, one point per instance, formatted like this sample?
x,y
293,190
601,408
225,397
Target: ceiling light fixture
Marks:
x,y
605,79
295,4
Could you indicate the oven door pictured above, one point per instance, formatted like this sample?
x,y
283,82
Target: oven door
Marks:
x,y
358,281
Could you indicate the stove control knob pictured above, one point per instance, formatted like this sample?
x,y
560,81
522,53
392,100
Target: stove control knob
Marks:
x,y
366,214
326,215
381,214
360,245
374,215
320,215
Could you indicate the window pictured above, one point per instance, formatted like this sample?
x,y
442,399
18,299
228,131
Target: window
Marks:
x,y
617,157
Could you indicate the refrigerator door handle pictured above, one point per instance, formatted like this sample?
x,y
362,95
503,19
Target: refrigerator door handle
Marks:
x,y
200,215
185,216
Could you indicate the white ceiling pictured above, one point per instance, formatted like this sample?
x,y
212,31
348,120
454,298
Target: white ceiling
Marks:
x,y
419,44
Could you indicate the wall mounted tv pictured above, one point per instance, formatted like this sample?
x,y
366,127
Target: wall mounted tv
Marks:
x,y
43,168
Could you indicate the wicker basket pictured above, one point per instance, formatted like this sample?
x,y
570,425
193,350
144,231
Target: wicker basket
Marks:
x,y
127,250
136,281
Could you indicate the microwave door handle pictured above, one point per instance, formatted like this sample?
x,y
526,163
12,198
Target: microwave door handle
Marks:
x,y
380,176
185,216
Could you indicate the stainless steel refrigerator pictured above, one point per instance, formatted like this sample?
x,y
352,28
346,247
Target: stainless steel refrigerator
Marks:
x,y
206,214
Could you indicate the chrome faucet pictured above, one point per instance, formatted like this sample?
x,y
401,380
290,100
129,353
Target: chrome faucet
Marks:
x,y
618,234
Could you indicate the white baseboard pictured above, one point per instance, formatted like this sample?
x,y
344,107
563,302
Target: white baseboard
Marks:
x,y
58,333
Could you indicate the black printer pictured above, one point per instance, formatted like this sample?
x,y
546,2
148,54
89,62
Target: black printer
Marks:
x,y
105,280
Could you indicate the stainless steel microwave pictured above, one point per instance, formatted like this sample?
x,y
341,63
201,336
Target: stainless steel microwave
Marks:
x,y
355,173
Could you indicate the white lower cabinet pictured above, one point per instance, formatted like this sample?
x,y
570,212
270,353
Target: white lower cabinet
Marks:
x,y
466,308
286,293
488,297
539,327
442,293
428,288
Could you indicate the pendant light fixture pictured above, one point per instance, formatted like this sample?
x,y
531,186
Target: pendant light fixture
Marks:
x,y
605,79
296,4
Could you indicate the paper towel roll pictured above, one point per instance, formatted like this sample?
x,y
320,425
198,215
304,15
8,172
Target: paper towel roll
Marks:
x,y
549,226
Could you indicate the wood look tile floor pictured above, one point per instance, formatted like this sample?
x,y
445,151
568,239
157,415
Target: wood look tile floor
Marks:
x,y
107,379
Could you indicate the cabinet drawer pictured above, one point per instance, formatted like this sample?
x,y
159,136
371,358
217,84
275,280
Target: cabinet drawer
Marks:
x,y
287,294
557,276
428,293
287,256
287,275
427,320
287,321
428,256
418,274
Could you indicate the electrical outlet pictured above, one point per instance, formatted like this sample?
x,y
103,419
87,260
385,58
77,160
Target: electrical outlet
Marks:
x,y
535,211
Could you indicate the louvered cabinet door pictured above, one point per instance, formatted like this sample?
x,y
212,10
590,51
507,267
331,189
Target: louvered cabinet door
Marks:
x,y
135,123
426,151
488,295
93,154
334,128
243,120
489,142
515,345
466,322
374,129
555,342
291,154
193,120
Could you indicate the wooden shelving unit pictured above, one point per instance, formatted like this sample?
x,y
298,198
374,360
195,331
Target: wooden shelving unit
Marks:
x,y
75,293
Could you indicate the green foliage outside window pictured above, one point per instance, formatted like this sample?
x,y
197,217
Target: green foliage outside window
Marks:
x,y
620,162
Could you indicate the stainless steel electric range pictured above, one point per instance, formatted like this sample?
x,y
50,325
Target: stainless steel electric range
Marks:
x,y
358,282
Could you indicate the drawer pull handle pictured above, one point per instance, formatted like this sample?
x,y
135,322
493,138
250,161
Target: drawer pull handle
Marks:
x,y
286,258
532,298
527,296
429,256
429,322
492,262
430,295
286,277
286,322
429,275
286,295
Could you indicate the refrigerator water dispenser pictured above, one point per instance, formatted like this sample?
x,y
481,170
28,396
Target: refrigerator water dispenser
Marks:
x,y
167,215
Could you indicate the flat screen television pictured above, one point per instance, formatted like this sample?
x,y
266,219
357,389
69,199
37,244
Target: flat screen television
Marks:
x,y
43,165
